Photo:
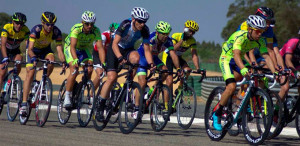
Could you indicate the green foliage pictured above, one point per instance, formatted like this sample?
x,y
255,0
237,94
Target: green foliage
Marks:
x,y
4,18
286,15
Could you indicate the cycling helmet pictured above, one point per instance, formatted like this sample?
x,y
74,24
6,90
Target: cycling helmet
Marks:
x,y
48,17
265,12
88,16
140,13
257,22
19,17
192,25
163,27
114,26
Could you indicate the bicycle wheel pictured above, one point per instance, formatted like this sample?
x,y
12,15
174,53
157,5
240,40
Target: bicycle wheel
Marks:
x,y
157,118
297,123
113,96
23,119
62,114
186,107
278,114
85,106
127,121
257,116
1,106
100,125
44,100
211,106
13,97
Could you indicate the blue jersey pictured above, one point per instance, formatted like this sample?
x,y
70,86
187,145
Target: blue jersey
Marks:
x,y
157,49
129,36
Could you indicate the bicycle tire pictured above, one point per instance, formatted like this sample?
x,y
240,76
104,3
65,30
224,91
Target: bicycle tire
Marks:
x,y
185,117
297,123
1,106
62,114
213,98
84,108
15,88
259,99
157,119
276,125
126,122
100,125
44,101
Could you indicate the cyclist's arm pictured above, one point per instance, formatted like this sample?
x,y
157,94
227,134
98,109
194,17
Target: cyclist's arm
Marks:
x,y
288,62
251,57
148,53
174,58
237,58
3,47
115,46
195,58
272,54
278,57
101,50
30,47
269,62
178,44
73,47
60,53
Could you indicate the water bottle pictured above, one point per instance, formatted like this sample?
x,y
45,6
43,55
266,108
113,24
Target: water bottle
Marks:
x,y
146,93
289,102
6,84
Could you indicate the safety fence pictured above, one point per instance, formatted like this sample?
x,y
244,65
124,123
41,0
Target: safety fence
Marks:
x,y
209,83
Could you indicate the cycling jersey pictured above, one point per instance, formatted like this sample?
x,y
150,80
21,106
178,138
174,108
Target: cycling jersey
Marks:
x,y
106,40
292,47
237,41
129,36
190,43
41,39
268,34
14,39
155,51
84,41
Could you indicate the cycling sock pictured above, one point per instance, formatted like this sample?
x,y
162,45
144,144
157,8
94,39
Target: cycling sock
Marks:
x,y
136,108
166,105
219,110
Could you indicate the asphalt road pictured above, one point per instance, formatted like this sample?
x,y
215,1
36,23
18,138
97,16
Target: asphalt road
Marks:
x,y
53,133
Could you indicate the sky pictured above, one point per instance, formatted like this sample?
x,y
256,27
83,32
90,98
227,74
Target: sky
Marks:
x,y
209,14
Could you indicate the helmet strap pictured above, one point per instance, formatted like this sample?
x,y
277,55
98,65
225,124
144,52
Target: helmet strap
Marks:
x,y
250,35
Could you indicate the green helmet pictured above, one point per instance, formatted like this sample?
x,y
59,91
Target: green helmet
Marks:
x,y
19,17
114,26
163,27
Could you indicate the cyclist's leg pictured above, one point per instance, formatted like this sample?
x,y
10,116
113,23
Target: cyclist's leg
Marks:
x,y
87,58
50,57
98,69
2,71
284,89
167,60
141,73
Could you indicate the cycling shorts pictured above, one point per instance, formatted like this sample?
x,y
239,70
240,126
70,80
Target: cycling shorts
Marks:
x,y
39,53
83,55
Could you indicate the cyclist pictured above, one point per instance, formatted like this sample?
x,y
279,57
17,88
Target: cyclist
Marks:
x,y
272,45
182,42
231,63
291,54
106,40
77,49
122,49
11,37
159,42
39,46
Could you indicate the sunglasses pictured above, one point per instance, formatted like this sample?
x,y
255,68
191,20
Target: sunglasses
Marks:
x,y
89,24
19,23
193,32
165,34
140,21
49,24
258,30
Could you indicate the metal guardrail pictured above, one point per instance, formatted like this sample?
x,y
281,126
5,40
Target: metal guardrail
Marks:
x,y
209,83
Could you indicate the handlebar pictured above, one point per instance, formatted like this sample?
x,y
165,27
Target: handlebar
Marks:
x,y
16,62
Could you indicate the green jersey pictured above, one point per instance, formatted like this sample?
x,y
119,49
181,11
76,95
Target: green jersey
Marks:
x,y
239,40
84,41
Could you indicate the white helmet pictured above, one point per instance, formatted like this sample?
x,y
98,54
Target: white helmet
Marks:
x,y
140,13
255,21
88,16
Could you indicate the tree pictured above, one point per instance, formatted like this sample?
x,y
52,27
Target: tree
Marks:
x,y
4,18
286,15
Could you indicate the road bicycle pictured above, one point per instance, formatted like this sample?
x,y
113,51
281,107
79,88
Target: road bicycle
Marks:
x,y
83,94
